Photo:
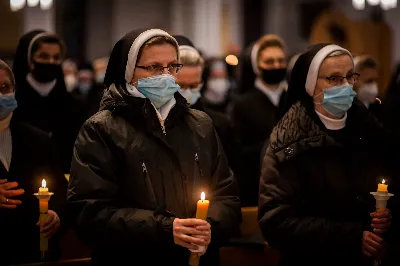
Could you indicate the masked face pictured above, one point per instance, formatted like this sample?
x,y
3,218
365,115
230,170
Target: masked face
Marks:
x,y
273,76
85,86
217,90
99,77
191,95
368,93
70,82
338,99
44,72
7,105
46,62
158,89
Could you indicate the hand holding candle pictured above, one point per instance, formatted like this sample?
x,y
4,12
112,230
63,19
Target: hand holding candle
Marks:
x,y
201,213
43,196
381,218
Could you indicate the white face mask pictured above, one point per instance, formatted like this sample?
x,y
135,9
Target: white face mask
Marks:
x,y
191,95
217,90
368,92
70,82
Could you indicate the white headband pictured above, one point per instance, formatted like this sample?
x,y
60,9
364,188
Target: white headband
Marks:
x,y
135,48
313,70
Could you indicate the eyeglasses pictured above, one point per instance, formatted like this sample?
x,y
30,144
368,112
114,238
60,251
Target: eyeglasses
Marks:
x,y
337,80
159,69
6,88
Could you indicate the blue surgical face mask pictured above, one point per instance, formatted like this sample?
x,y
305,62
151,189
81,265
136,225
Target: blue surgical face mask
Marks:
x,y
158,89
338,100
191,95
84,87
7,105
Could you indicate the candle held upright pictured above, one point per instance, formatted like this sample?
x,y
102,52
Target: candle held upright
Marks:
x,y
381,196
201,213
43,196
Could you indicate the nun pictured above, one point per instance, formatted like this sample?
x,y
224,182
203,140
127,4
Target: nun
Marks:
x,y
257,111
323,159
141,164
43,100
26,157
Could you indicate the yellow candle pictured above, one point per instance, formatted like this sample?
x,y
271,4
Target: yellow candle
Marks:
x,y
382,187
201,213
44,196
43,188
202,207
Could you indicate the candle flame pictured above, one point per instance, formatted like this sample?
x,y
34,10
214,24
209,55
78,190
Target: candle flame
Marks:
x,y
202,196
43,183
383,181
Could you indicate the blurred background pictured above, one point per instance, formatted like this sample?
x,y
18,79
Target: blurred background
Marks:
x,y
218,27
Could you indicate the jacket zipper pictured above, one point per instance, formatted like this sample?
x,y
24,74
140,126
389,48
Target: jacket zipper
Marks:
x,y
196,158
148,183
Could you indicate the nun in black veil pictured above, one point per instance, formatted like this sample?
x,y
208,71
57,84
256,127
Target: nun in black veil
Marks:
x,y
248,68
141,163
41,93
324,158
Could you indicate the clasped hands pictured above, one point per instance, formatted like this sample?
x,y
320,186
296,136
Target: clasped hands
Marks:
x,y
192,233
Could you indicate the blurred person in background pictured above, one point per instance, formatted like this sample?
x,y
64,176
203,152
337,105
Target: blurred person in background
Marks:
x,y
367,86
217,85
191,83
323,159
26,157
70,70
100,67
256,113
87,92
43,100
141,163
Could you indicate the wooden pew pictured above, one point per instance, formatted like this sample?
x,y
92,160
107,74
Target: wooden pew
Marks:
x,y
249,248
76,262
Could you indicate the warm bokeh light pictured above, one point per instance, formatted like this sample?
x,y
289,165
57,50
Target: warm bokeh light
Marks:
x,y
232,60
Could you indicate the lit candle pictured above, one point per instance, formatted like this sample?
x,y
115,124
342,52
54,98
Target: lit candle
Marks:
x,y
202,207
43,188
201,213
43,196
382,187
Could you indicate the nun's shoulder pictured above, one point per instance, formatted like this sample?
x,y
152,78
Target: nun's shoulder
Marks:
x,y
295,132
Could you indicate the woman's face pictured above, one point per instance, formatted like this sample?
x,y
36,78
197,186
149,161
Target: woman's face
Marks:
x,y
6,86
272,58
155,56
340,66
48,53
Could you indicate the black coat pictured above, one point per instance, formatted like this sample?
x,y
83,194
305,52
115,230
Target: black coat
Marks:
x,y
56,113
222,125
129,181
315,186
33,158
254,117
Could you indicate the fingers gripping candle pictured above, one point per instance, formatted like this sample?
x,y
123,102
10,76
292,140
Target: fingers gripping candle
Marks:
x,y
381,197
43,196
201,213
